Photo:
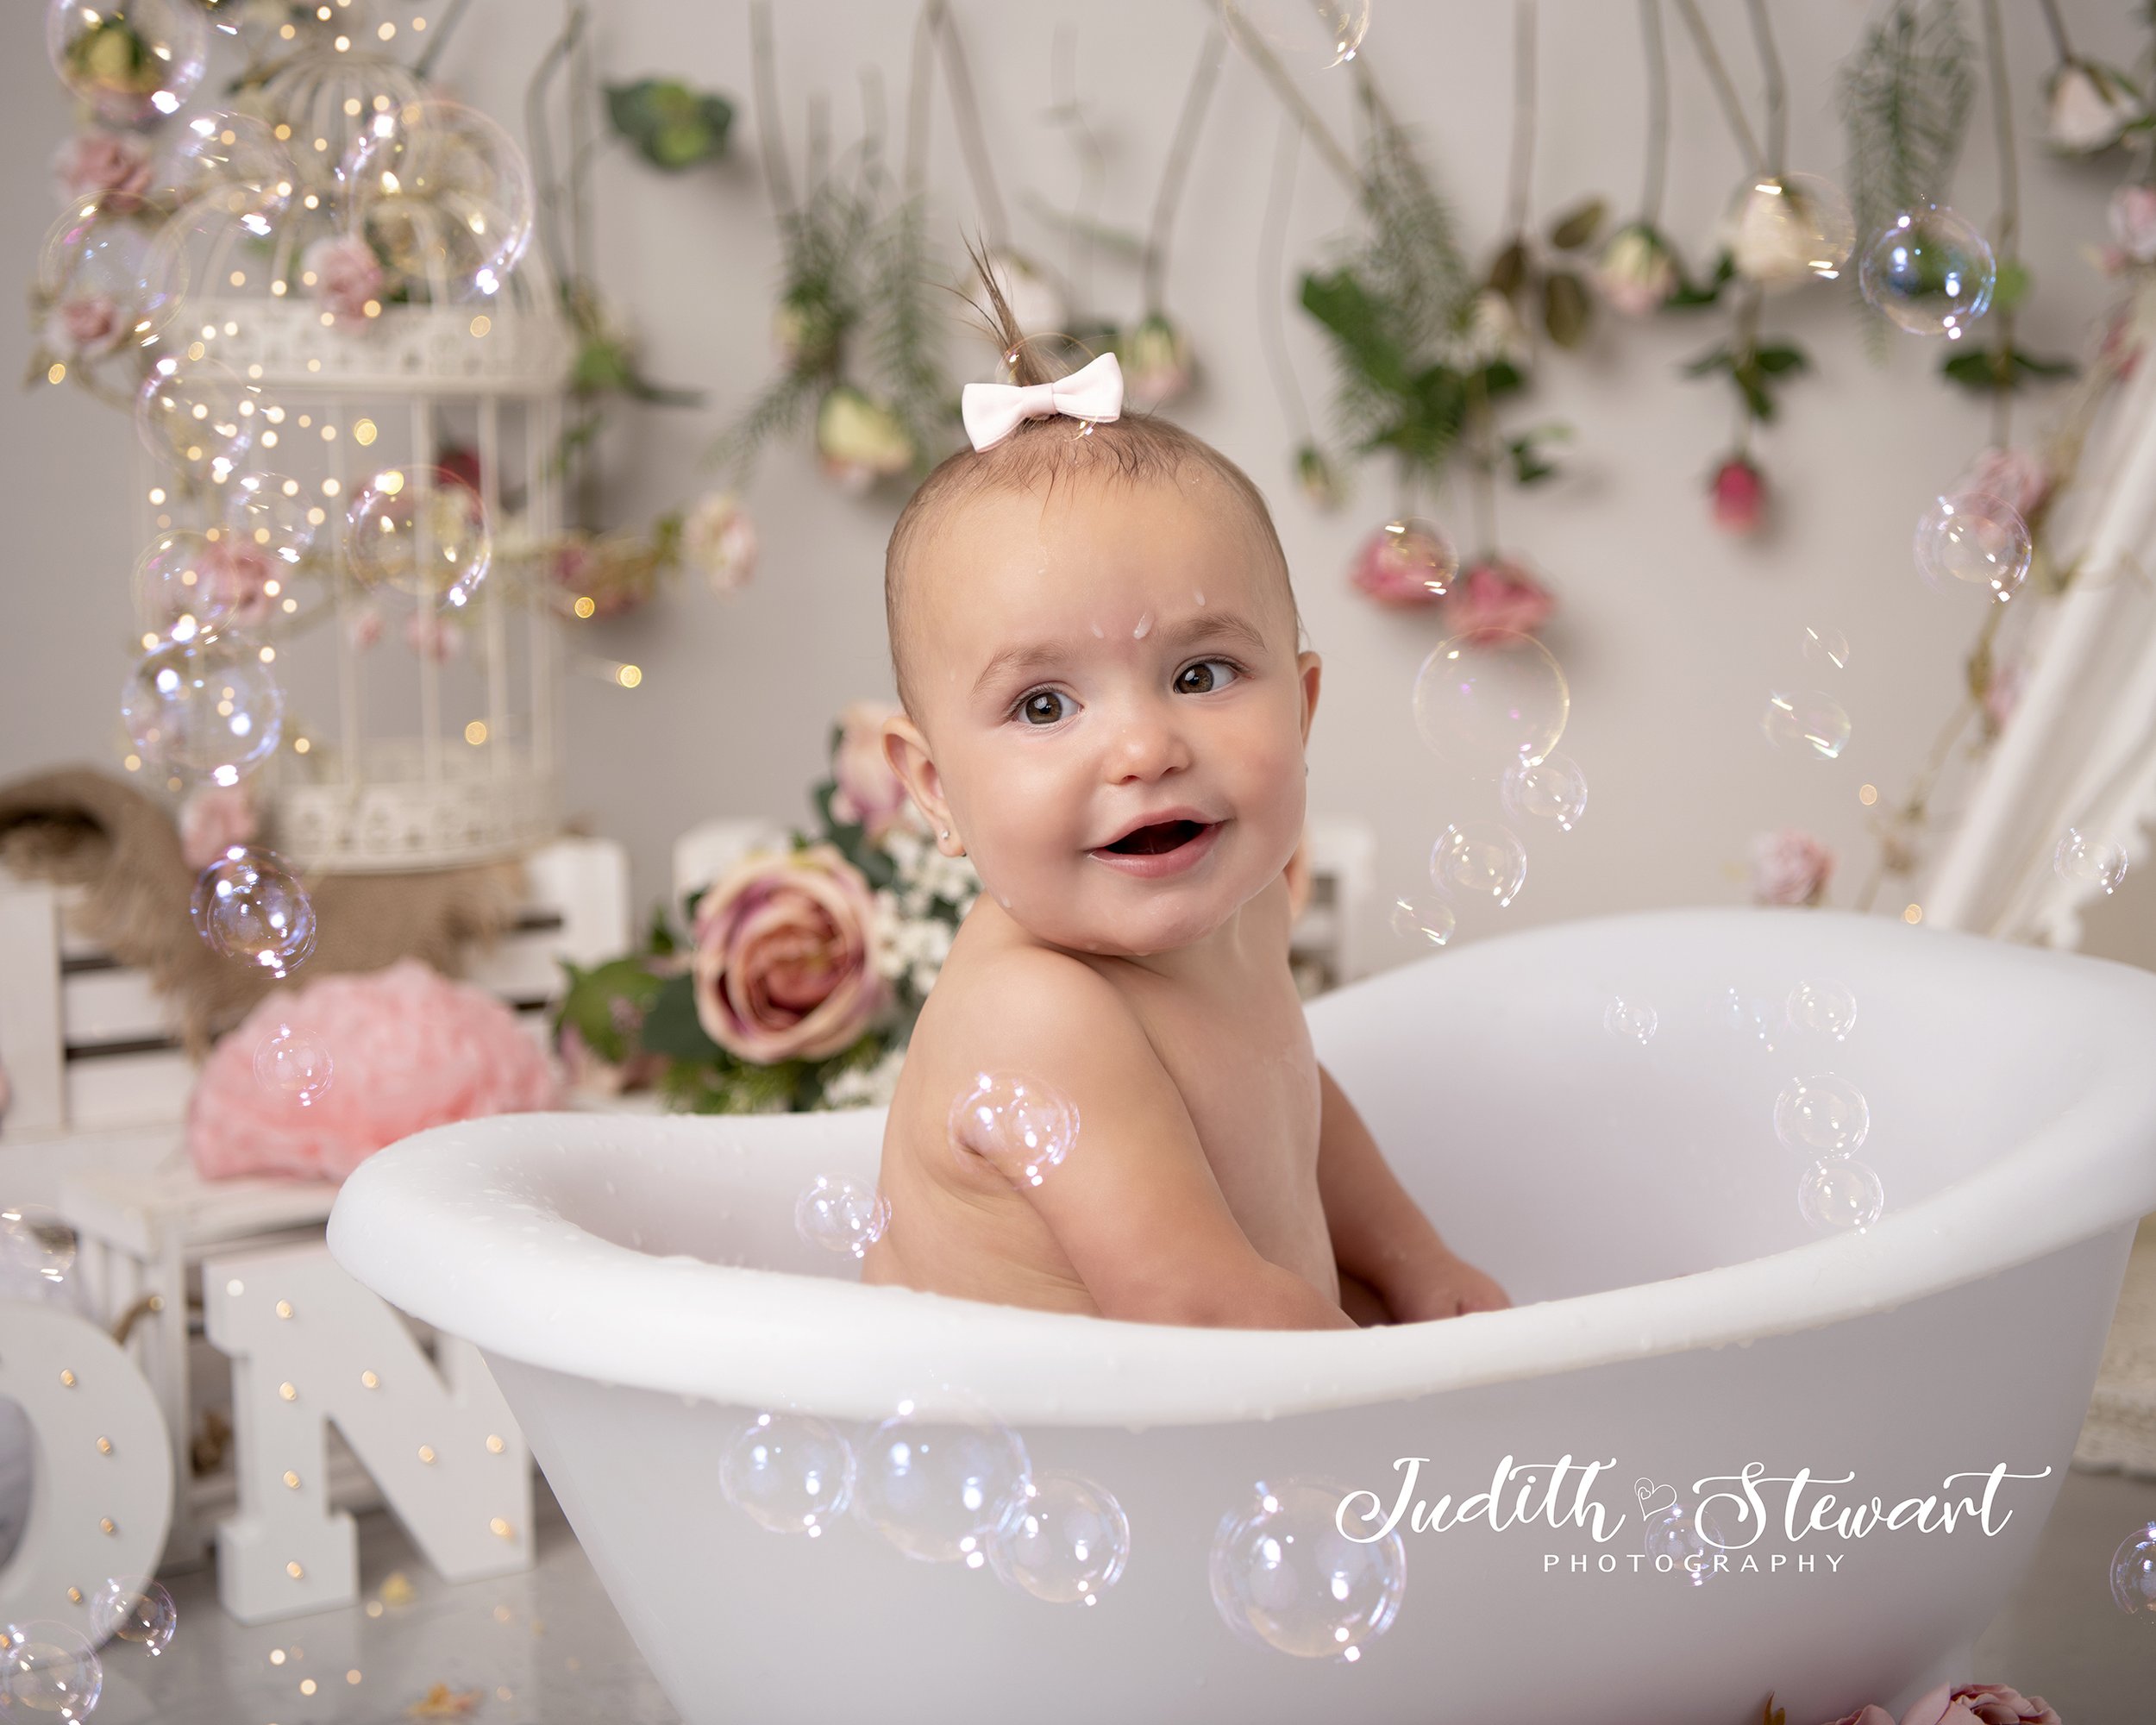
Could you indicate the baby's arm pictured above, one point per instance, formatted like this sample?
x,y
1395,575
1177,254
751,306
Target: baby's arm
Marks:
x,y
1134,1205
1384,1244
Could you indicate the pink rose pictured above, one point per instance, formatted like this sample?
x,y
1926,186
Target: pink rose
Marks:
x,y
2014,476
1869,1714
869,794
2133,215
364,628
347,276
1740,496
404,1048
1978,1704
783,969
85,325
1637,273
1412,567
237,576
114,166
1494,597
1789,867
213,818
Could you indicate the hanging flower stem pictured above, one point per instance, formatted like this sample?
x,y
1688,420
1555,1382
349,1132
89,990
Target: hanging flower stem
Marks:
x,y
1658,163
2006,230
1272,245
1718,74
1778,90
1177,168
1521,175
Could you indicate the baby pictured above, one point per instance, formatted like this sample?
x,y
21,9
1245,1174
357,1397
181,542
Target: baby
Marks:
x,y
1094,639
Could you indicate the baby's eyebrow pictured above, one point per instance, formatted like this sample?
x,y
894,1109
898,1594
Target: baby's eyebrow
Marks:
x,y
1209,625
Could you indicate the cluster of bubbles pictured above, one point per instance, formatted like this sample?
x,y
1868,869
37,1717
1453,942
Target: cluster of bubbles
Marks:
x,y
951,1491
2085,857
49,1671
1493,708
1020,1125
1802,718
1284,1575
841,1214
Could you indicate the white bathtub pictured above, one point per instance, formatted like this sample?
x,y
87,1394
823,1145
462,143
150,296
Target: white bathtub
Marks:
x,y
639,1288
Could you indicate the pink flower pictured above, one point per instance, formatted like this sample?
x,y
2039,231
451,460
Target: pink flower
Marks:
x,y
1637,273
238,575
2014,476
364,628
1978,1704
2133,215
114,166
783,969
1789,867
405,1048
719,541
433,637
1869,1714
1156,359
1404,565
85,325
1740,496
347,276
869,792
1494,598
213,818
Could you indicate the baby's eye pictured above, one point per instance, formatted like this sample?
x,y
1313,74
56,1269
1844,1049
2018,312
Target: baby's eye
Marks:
x,y
1040,708
1206,681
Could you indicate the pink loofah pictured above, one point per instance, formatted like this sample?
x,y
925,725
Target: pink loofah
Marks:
x,y
408,1048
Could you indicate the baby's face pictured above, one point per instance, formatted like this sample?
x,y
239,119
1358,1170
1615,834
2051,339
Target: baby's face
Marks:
x,y
1123,657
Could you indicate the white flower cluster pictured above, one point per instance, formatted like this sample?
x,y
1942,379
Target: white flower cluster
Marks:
x,y
911,940
866,1086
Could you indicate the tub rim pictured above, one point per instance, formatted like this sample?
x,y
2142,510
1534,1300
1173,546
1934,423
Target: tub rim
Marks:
x,y
2073,1178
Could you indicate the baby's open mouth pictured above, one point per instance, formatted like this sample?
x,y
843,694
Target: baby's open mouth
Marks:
x,y
1151,841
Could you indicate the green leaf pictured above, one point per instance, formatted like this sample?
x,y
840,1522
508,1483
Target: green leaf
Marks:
x,y
671,1026
1346,307
1753,388
2010,285
1578,226
1690,294
1510,269
1720,359
1566,310
672,126
1528,465
1775,361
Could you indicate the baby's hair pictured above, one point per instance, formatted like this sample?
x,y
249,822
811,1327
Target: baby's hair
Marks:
x,y
1136,448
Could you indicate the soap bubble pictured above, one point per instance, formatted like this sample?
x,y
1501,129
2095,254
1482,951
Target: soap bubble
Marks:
x,y
248,905
35,1242
423,532
442,195
1552,788
208,707
792,1473
1414,553
98,275
2083,856
132,63
272,514
1974,537
1750,1019
938,1491
1065,1539
1825,1114
1630,1020
1312,34
1840,1192
292,1064
841,1214
1481,858
196,417
1791,229
1016,1123
2133,1571
1827,1007
1825,648
234,161
173,596
133,1609
1483,707
1423,919
1283,1573
1685,1534
47,1672
1807,723
1930,271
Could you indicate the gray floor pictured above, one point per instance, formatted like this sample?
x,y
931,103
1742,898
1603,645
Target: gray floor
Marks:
x,y
547,1648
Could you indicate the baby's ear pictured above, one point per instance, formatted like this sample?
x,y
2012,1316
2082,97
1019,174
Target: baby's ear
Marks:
x,y
905,751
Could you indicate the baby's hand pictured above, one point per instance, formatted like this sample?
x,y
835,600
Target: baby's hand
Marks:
x,y
1443,1285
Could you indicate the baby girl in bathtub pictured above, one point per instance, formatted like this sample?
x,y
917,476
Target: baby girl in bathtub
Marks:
x,y
1094,644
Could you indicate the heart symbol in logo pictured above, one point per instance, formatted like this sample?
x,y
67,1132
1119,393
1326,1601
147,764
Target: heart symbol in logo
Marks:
x,y
1653,1497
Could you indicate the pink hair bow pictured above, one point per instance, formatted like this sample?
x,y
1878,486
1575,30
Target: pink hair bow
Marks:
x,y
993,410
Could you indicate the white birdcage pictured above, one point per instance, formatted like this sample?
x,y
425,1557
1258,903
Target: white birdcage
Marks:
x,y
396,752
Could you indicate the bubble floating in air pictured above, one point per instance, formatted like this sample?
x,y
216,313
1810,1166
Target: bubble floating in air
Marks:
x,y
1631,1019
2133,1571
249,906
1809,724
1827,1007
1486,706
132,63
1422,920
443,197
1065,1540
198,418
35,1244
2085,857
1021,1125
841,1214
423,532
1976,539
47,1672
291,1064
792,1473
133,1609
939,1489
1929,270
208,707
1824,1114
1552,788
1481,859
1283,1574
1840,1192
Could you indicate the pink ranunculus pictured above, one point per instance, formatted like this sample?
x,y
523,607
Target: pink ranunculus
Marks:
x,y
213,818
404,1049
783,967
434,637
113,167
869,794
1399,568
1740,496
1494,598
1789,867
1978,1704
348,276
84,326
2133,215
2014,476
